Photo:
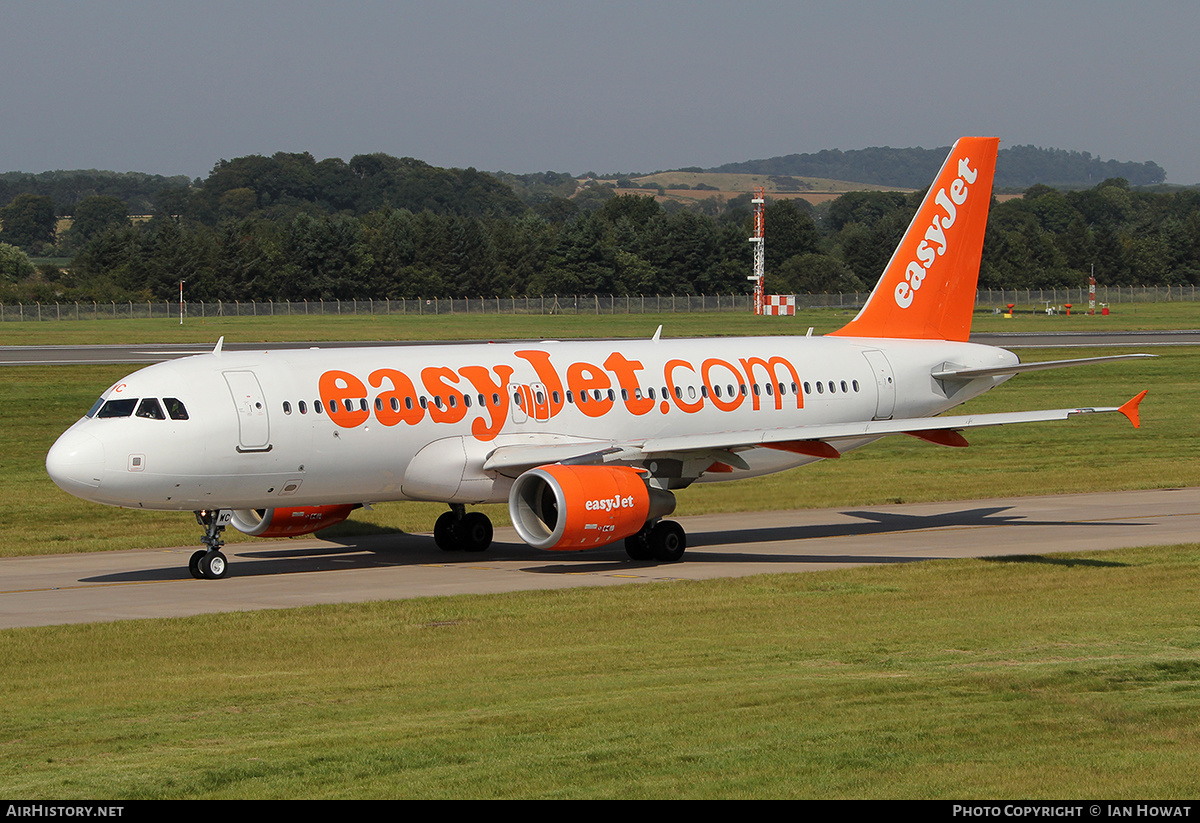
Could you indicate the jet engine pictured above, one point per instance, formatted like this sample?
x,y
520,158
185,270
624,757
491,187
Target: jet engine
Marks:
x,y
288,522
567,508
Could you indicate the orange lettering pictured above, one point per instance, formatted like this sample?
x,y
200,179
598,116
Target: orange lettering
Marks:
x,y
434,379
586,378
722,403
335,384
404,394
676,392
547,376
480,379
749,363
626,371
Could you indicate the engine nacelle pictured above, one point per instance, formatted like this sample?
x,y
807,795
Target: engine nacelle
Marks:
x,y
288,522
567,508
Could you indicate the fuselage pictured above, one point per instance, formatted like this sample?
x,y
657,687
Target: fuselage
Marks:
x,y
353,425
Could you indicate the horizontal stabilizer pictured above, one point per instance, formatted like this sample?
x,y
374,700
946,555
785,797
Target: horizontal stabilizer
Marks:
x,y
1020,368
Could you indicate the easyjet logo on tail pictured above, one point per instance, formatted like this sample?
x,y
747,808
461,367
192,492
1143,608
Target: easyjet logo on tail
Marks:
x,y
934,244
939,253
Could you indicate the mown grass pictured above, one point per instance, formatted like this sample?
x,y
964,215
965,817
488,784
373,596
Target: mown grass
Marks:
x,y
1040,677
1125,316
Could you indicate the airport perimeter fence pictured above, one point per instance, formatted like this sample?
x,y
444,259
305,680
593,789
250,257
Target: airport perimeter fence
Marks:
x,y
554,304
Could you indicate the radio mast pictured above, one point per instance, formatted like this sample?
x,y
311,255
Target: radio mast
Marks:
x,y
760,259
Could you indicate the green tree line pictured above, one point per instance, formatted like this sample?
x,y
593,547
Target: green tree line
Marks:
x,y
289,228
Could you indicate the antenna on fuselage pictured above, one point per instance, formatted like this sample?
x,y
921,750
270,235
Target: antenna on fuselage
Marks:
x,y
217,348
657,333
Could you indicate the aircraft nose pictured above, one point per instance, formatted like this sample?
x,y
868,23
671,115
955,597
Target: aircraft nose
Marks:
x,y
76,463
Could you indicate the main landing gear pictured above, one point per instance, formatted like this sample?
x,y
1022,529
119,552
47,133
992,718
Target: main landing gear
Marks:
x,y
460,531
209,563
664,541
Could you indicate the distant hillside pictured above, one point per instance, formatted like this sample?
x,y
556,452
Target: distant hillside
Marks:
x,y
1017,167
138,190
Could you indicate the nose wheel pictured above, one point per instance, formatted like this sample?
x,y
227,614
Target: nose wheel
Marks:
x,y
206,565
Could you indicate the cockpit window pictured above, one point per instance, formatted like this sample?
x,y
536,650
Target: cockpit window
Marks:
x,y
95,407
122,407
175,409
151,409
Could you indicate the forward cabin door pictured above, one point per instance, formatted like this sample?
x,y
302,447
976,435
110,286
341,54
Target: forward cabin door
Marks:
x,y
254,428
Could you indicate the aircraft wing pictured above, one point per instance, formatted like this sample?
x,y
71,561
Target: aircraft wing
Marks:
x,y
817,441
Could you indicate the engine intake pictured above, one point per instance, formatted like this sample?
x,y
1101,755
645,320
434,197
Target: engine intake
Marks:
x,y
288,522
567,508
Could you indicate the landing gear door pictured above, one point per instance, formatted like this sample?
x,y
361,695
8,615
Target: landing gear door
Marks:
x,y
254,430
885,384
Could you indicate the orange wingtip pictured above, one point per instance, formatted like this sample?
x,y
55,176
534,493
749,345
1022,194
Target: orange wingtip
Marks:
x,y
1130,410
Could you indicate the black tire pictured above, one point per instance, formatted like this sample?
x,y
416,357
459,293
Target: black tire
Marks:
x,y
444,532
667,541
194,564
213,565
474,532
637,546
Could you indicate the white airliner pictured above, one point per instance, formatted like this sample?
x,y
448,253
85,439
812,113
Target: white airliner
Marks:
x,y
587,441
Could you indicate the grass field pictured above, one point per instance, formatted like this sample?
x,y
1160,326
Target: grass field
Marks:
x,y
1040,677
1028,677
1127,316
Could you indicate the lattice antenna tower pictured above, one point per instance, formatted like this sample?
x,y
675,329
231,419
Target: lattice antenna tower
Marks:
x,y
760,256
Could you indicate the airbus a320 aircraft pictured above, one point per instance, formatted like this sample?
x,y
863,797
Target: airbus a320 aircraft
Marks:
x,y
587,441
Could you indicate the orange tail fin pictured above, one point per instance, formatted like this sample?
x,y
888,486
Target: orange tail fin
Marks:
x,y
927,290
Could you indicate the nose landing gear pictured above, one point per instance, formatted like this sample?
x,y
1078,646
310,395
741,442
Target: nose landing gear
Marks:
x,y
209,563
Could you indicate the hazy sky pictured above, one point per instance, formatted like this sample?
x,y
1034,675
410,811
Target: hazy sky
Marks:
x,y
172,87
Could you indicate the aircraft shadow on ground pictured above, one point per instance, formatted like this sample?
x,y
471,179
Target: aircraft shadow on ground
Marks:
x,y
356,552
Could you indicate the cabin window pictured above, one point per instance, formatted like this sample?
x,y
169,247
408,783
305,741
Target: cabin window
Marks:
x,y
117,408
556,397
303,407
832,387
820,387
287,407
844,389
317,407
151,409
770,391
807,388
855,384
175,409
